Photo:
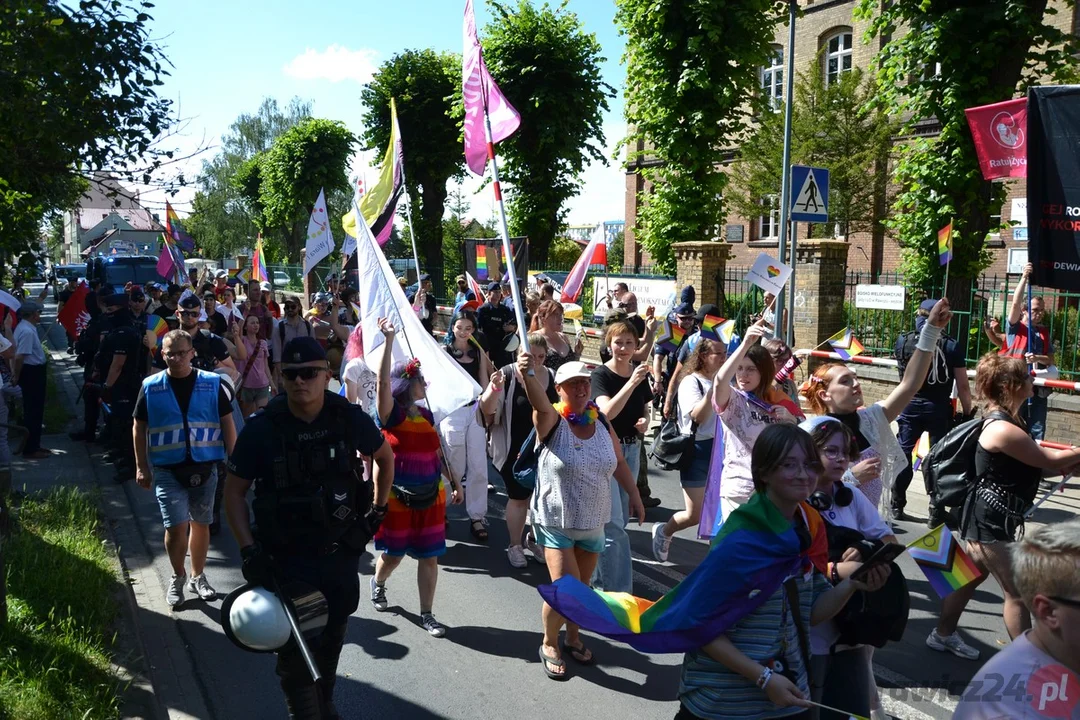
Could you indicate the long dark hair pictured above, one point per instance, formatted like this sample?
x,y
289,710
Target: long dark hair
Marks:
x,y
772,447
763,361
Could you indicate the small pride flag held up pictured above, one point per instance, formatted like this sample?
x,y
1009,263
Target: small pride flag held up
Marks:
x,y
716,328
944,249
943,561
922,448
258,262
671,335
845,344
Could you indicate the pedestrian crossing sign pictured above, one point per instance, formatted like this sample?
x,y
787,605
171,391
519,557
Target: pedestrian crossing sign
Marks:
x,y
810,199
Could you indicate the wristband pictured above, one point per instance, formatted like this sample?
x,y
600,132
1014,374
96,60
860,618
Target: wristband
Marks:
x,y
764,678
928,338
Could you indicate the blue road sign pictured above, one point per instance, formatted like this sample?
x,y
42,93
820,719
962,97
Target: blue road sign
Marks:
x,y
810,194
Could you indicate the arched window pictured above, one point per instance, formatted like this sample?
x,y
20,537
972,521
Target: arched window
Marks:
x,y
837,55
772,77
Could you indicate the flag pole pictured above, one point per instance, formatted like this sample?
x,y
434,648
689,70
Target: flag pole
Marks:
x,y
408,200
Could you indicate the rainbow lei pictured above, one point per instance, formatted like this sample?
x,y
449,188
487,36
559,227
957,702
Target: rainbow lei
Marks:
x,y
588,417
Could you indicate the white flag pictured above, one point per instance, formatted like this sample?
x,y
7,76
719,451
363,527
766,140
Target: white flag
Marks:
x,y
449,386
320,241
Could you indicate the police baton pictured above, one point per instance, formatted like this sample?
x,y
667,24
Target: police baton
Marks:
x,y
290,613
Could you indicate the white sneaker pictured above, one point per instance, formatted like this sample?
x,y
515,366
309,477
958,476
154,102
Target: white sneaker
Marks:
x,y
535,550
951,643
201,587
516,555
174,595
661,543
433,626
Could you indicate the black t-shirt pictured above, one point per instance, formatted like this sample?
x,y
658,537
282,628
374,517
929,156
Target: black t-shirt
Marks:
x,y
165,312
521,411
218,325
182,388
65,295
606,382
253,455
123,341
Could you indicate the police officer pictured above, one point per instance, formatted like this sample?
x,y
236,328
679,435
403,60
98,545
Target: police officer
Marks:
x,y
930,410
119,370
314,513
86,349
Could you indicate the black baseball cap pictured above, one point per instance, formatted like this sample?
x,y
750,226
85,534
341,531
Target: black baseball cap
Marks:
x,y
493,286
302,349
191,302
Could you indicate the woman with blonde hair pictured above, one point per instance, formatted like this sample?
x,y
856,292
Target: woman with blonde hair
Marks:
x,y
1008,468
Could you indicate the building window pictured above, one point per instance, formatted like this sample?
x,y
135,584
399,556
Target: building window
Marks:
x,y
837,56
995,215
772,78
769,223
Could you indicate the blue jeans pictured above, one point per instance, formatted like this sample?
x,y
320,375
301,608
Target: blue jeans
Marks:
x,y
1034,414
917,418
615,571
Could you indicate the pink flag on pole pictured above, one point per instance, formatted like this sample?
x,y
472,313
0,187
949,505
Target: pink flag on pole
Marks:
x,y
595,253
481,94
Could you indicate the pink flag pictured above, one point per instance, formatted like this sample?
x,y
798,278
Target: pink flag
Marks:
x,y
595,253
1000,135
482,95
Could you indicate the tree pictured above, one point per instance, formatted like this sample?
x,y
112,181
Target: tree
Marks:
x,y
549,69
952,56
78,96
832,126
692,80
424,84
220,222
310,156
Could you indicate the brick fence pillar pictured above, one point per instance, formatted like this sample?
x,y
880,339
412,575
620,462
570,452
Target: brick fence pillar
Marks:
x,y
820,283
702,264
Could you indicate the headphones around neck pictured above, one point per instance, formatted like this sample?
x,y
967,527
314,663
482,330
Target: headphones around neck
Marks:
x,y
823,501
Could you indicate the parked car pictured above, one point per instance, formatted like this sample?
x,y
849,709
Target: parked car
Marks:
x,y
280,279
61,274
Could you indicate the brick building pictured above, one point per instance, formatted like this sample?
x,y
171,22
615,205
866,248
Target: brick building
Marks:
x,y
827,26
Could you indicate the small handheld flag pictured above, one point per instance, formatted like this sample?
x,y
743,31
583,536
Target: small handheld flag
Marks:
x,y
943,561
922,448
716,328
845,344
944,244
671,335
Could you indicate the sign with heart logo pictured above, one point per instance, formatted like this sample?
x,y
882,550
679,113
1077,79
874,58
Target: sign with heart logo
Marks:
x,y
769,274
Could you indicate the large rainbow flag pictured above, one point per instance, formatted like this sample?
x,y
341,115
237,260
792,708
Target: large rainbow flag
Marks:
x,y
176,229
755,551
258,262
943,561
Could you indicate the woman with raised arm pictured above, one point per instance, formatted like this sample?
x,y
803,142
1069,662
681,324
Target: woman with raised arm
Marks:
x,y
415,522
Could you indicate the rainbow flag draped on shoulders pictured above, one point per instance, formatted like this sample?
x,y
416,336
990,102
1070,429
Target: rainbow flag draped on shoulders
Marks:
x,y
755,551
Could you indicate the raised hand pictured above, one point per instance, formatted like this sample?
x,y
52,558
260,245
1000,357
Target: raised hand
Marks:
x,y
941,314
386,327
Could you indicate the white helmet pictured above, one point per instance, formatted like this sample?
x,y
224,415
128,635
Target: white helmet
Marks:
x,y
254,618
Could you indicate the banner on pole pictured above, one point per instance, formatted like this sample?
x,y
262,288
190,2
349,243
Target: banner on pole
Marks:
x,y
1053,155
999,132
484,259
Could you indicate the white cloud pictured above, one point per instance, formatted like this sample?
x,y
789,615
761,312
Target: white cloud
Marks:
x,y
335,63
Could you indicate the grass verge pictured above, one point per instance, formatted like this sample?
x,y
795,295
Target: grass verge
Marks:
x,y
57,415
55,648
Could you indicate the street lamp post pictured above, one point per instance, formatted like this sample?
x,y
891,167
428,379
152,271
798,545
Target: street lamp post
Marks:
x,y
784,330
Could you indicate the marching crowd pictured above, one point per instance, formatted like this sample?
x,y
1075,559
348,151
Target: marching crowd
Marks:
x,y
568,441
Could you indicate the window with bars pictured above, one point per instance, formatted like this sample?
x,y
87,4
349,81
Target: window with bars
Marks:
x,y
772,78
837,56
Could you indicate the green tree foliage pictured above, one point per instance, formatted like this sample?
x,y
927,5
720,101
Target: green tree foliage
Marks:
x,y
78,95
940,59
832,126
692,73
424,84
220,221
549,69
309,156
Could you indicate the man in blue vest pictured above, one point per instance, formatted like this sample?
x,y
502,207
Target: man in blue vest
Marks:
x,y
183,428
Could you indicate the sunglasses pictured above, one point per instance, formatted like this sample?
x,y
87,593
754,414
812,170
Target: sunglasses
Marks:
x,y
1066,601
189,313
306,373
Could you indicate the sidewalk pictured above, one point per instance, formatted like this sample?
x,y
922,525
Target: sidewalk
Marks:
x,y
150,654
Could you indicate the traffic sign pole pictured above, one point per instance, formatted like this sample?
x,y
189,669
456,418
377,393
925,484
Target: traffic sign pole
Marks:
x,y
785,183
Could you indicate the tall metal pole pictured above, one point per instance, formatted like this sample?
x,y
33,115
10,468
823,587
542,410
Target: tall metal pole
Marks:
x,y
785,183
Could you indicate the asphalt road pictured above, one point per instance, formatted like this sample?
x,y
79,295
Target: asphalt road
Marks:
x,y
487,665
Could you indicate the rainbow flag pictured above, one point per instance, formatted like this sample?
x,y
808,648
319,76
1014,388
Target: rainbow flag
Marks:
x,y
943,561
718,329
845,344
671,335
481,263
920,451
157,325
176,230
258,262
944,244
756,549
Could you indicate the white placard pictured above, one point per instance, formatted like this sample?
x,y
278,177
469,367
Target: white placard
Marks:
x,y
879,297
656,292
1018,213
769,274
1018,258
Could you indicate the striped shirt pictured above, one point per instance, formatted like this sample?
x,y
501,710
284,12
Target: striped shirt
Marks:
x,y
710,690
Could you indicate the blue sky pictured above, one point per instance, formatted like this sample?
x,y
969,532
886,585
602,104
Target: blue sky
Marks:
x,y
230,54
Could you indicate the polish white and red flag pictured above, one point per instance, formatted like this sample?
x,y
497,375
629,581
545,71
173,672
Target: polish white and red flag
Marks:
x,y
595,253
482,97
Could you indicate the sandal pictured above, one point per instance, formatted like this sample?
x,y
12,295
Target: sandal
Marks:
x,y
478,530
578,653
553,662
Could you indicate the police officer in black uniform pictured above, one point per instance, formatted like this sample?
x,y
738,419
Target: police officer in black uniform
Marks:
x,y
314,512
118,369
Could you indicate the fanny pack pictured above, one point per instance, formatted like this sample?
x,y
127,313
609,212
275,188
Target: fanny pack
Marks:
x,y
193,475
418,497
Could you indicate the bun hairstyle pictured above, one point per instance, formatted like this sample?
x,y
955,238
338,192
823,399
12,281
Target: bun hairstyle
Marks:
x,y
815,384
998,378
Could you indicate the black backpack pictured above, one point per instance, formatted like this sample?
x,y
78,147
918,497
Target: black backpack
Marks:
x,y
949,467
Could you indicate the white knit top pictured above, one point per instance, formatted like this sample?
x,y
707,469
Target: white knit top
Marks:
x,y
573,490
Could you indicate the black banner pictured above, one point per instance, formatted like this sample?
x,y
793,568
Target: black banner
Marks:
x,y
485,261
1053,123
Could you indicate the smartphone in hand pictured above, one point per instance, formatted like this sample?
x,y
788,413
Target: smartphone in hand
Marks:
x,y
883,556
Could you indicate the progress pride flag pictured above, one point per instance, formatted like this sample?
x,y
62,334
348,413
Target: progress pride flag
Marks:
x,y
1000,135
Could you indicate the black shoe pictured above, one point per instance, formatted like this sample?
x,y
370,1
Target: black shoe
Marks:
x,y
650,502
900,516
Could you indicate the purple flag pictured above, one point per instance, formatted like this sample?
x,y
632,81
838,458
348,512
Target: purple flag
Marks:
x,y
481,95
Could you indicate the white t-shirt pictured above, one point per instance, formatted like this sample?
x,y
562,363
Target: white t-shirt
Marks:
x,y
859,515
691,389
1021,682
743,421
358,373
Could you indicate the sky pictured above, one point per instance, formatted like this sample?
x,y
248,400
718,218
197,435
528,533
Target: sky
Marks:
x,y
227,55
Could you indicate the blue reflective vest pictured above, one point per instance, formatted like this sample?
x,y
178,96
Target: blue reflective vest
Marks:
x,y
171,434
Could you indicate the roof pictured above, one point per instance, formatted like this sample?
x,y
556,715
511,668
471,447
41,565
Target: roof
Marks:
x,y
106,196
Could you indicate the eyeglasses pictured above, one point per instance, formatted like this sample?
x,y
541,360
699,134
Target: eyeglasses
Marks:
x,y
177,354
832,452
306,373
1066,601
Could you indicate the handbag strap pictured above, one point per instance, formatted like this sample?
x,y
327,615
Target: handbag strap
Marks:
x,y
791,592
251,360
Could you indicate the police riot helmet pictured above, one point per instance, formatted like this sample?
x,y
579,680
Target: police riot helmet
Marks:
x,y
255,620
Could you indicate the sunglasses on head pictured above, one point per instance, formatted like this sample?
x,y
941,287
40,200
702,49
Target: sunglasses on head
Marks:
x,y
306,373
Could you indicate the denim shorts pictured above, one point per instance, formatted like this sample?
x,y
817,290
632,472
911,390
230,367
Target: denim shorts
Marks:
x,y
564,538
180,504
